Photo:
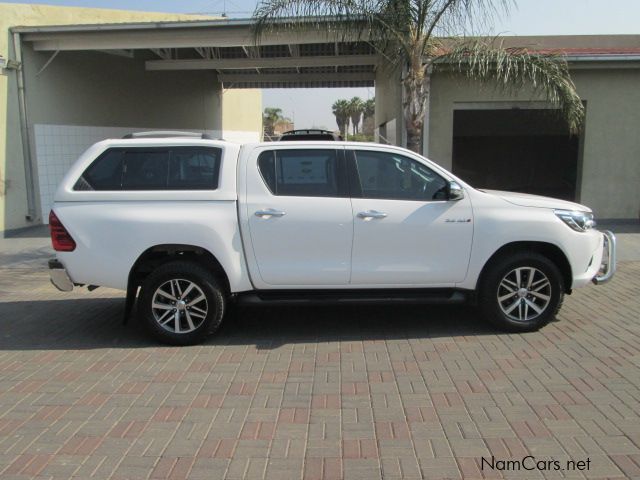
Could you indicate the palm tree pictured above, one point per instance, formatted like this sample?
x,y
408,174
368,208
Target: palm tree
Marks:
x,y
340,109
270,117
420,36
369,108
356,107
368,118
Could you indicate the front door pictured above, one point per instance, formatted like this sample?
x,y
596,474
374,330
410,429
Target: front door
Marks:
x,y
299,216
406,232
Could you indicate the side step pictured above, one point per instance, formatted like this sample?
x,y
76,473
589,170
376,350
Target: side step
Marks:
x,y
359,297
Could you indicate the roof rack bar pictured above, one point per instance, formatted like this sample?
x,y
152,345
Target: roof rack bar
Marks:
x,y
305,131
168,134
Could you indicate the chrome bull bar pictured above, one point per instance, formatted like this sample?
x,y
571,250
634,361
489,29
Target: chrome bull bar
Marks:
x,y
608,265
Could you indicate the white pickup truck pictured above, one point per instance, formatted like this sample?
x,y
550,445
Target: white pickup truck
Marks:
x,y
188,225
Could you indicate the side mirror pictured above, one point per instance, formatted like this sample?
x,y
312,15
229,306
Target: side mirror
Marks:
x,y
455,191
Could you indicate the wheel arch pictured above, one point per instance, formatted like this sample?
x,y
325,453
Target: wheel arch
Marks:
x,y
158,255
549,250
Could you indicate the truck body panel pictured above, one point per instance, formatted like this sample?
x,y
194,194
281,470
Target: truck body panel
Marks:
x,y
265,240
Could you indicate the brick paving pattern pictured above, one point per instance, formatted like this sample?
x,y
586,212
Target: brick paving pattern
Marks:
x,y
322,393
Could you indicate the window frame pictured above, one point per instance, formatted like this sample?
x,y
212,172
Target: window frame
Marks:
x,y
170,149
354,177
342,182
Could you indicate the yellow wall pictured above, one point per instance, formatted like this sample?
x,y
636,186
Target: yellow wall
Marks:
x,y
242,110
389,105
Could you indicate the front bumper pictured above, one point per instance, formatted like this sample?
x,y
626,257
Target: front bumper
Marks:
x,y
59,277
608,264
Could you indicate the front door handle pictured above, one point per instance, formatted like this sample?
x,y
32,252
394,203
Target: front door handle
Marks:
x,y
372,214
270,212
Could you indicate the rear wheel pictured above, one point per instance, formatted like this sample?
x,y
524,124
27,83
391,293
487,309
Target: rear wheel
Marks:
x,y
521,292
181,303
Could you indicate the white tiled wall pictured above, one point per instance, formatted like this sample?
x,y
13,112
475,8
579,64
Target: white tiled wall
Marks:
x,y
58,146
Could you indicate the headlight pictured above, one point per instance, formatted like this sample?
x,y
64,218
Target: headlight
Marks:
x,y
578,221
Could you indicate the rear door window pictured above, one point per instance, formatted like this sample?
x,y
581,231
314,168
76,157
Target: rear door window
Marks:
x,y
303,172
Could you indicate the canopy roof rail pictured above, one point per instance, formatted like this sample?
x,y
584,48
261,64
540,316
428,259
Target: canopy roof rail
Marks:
x,y
168,134
307,131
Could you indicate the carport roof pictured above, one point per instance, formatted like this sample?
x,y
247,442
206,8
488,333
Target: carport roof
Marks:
x,y
282,59
303,59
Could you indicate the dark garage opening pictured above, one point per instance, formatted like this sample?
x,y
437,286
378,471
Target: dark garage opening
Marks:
x,y
520,150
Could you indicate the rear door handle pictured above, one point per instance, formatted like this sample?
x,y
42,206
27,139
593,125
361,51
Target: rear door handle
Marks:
x,y
372,214
270,212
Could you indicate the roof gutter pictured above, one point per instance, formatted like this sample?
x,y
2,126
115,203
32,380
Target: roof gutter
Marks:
x,y
604,58
132,26
631,60
164,25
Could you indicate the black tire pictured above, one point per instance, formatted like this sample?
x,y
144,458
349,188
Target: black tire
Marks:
x,y
185,272
490,289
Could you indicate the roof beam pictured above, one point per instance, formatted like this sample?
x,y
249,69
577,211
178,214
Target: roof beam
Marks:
x,y
223,36
296,77
264,62
294,51
119,53
164,53
207,52
252,52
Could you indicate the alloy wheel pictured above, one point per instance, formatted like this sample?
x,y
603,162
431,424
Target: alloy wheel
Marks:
x,y
179,306
524,294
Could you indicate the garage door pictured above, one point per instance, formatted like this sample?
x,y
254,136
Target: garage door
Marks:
x,y
521,150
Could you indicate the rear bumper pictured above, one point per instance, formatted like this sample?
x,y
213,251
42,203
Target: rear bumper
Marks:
x,y
608,264
59,277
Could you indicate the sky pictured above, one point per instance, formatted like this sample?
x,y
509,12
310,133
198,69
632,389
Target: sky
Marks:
x,y
531,17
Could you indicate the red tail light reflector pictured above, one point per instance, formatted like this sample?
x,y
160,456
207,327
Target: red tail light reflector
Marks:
x,y
60,238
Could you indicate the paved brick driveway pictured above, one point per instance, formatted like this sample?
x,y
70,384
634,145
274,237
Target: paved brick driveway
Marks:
x,y
316,393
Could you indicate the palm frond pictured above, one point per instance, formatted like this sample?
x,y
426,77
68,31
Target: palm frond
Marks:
x,y
514,68
334,17
383,24
464,17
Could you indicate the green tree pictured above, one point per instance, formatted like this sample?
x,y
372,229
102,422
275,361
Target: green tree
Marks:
x,y
369,108
420,36
368,119
340,109
356,107
270,117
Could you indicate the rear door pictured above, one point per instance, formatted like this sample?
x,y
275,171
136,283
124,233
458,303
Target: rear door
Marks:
x,y
299,218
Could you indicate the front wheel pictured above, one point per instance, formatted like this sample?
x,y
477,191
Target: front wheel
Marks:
x,y
521,292
181,303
